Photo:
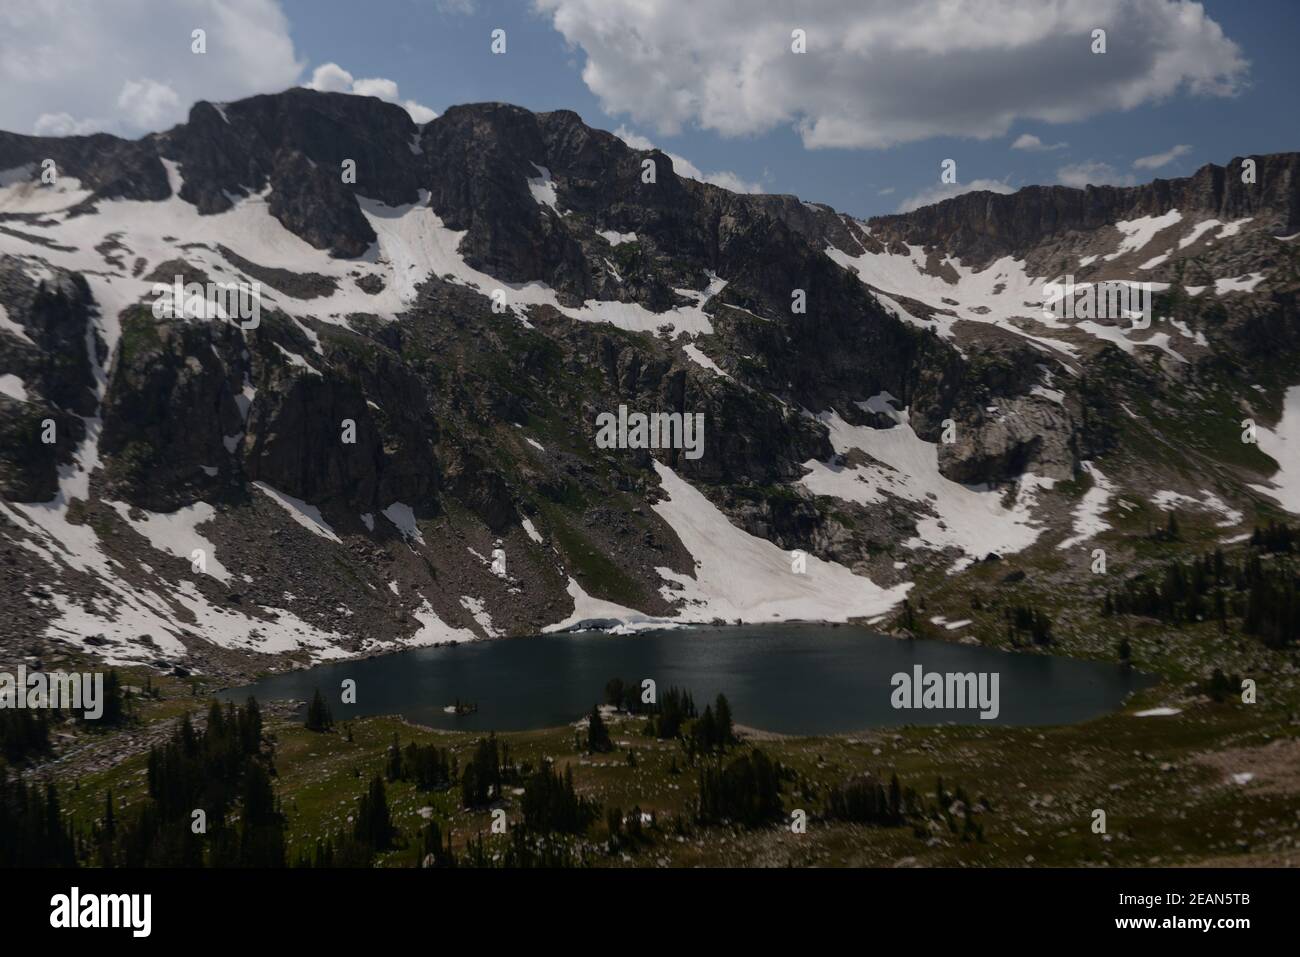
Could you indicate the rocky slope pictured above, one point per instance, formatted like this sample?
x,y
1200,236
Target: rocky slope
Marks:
x,y
401,449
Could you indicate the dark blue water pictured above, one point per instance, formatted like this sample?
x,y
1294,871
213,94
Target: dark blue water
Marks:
x,y
792,678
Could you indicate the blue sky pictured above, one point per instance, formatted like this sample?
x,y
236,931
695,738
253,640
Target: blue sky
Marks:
x,y
443,58
900,91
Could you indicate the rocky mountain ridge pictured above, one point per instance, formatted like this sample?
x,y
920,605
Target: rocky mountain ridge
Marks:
x,y
492,281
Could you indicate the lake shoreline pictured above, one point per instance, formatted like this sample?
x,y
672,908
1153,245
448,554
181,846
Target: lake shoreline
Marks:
x,y
800,679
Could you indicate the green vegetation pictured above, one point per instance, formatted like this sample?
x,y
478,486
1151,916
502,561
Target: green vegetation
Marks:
x,y
23,734
598,575
1263,594
747,790
1166,783
1024,619
33,832
139,333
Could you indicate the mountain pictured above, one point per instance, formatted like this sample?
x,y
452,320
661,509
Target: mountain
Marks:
x,y
402,448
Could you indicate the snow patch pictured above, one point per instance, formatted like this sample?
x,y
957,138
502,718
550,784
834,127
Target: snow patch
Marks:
x,y
1088,513
1167,500
543,188
1199,230
14,387
1233,228
403,517
12,327
740,576
433,629
1246,283
589,609
1282,444
176,533
308,516
479,613
1138,232
699,358
969,518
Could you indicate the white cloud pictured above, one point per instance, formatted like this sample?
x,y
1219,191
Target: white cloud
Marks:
x,y
1157,160
1091,173
147,104
376,86
419,112
77,66
82,66
634,140
684,167
332,78
937,194
879,72
64,124
1030,142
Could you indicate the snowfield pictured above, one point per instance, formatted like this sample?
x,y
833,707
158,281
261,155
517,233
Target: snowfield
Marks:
x,y
741,577
1088,520
1282,444
969,518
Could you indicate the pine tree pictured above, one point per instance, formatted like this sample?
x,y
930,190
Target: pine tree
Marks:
x,y
319,718
597,734
615,692
393,762
724,729
109,826
373,826
261,825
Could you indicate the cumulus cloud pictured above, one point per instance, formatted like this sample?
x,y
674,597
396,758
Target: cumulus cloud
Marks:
x,y
78,66
1030,142
1157,160
1092,173
83,66
332,78
147,104
878,72
419,112
65,124
937,194
684,167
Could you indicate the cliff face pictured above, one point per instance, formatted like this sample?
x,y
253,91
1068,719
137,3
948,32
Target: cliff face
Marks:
x,y
981,226
439,334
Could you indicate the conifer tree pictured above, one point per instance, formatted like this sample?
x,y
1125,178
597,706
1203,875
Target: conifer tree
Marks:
x,y
725,729
319,718
373,826
598,740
